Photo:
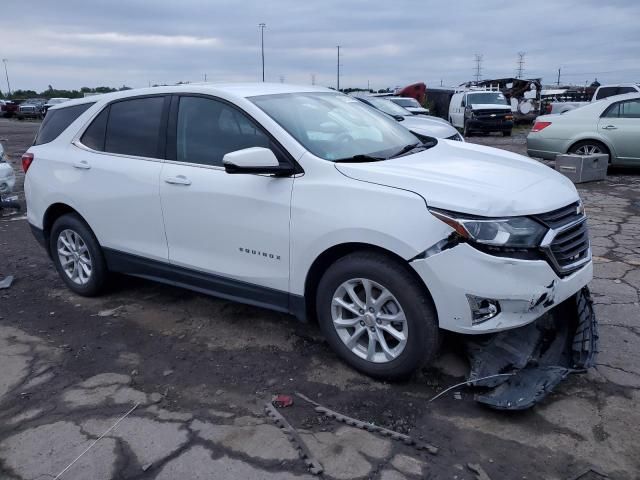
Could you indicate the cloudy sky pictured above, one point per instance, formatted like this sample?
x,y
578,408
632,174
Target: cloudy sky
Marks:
x,y
75,43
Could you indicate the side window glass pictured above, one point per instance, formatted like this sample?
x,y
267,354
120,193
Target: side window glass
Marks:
x,y
57,121
606,92
612,111
629,109
93,136
209,129
622,90
133,127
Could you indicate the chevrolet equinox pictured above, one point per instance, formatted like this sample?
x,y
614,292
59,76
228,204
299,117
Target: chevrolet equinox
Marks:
x,y
305,201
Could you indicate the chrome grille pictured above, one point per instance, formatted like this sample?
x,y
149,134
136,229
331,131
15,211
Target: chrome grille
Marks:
x,y
567,243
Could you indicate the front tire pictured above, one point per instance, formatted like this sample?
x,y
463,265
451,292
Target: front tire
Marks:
x,y
506,133
77,255
377,316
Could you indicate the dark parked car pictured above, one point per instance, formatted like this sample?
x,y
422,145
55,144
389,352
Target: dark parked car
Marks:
x,y
32,107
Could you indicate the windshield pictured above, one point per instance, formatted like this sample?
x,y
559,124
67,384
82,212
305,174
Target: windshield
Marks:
x,y
406,102
487,98
388,107
333,126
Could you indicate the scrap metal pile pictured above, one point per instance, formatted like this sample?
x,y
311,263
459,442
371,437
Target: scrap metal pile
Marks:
x,y
534,359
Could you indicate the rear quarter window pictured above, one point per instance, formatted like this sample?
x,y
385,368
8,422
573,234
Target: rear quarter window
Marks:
x,y
57,121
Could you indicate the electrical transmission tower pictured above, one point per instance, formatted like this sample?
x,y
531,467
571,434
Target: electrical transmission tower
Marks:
x,y
520,70
478,60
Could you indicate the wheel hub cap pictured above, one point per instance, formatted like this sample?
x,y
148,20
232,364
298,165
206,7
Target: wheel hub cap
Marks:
x,y
74,257
369,320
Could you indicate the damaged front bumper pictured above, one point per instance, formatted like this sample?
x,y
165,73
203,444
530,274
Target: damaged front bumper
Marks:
x,y
536,357
524,290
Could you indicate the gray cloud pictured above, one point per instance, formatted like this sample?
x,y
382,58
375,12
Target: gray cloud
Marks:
x,y
73,43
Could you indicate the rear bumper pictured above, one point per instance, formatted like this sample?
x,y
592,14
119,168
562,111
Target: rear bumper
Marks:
x,y
546,148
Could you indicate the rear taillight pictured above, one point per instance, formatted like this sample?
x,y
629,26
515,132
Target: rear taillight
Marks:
x,y
538,126
27,160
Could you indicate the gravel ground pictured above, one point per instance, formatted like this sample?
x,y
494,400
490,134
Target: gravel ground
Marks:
x,y
200,369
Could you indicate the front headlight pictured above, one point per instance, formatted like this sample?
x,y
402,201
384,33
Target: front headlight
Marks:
x,y
514,232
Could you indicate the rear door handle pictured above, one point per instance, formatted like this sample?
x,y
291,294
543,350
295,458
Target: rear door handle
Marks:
x,y
82,165
179,180
610,127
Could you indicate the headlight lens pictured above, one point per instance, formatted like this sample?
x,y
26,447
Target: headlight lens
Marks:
x,y
515,232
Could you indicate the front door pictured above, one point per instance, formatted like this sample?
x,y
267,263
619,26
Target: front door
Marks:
x,y
620,123
232,227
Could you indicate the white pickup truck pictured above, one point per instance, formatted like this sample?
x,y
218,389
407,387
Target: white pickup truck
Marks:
x,y
601,92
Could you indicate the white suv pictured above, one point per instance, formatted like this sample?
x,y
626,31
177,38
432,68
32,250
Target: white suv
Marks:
x,y
305,201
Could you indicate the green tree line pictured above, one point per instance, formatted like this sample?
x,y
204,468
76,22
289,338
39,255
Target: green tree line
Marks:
x,y
54,92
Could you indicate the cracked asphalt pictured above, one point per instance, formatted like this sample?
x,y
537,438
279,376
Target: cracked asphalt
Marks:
x,y
198,371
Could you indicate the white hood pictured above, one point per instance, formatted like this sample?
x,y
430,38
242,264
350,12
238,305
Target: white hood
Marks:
x,y
424,125
472,179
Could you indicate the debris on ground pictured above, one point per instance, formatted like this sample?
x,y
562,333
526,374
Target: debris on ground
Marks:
x,y
282,401
112,312
6,282
314,465
539,355
406,439
479,471
590,474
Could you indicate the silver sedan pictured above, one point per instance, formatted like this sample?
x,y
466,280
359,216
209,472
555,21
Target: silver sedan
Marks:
x,y
610,126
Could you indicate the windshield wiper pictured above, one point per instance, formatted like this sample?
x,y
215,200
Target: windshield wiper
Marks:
x,y
359,159
408,148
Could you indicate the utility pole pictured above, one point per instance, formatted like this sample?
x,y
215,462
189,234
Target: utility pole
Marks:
x,y
205,78
338,75
282,78
313,79
478,60
262,27
520,64
4,60
558,77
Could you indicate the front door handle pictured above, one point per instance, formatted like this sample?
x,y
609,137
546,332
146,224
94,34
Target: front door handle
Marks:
x,y
610,127
179,180
82,165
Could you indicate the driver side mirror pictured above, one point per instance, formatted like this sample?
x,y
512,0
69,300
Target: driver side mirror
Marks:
x,y
255,160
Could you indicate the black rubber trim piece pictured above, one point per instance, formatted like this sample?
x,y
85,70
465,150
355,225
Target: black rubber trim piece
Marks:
x,y
204,282
38,233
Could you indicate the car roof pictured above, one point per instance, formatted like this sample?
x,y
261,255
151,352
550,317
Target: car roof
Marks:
x,y
238,90
624,96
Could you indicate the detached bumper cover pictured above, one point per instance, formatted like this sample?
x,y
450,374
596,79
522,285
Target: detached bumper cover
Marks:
x,y
539,356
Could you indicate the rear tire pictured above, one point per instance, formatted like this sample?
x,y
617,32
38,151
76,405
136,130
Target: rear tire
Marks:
x,y
589,147
506,133
77,255
403,327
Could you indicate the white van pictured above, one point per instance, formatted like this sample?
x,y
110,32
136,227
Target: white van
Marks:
x,y
481,110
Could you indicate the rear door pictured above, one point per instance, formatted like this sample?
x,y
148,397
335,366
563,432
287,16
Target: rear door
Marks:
x,y
620,123
116,172
235,228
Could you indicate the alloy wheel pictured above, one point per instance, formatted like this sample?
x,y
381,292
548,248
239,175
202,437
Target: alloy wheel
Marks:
x,y
74,257
588,149
369,320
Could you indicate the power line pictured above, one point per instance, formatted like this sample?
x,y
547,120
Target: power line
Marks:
x,y
520,64
478,60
